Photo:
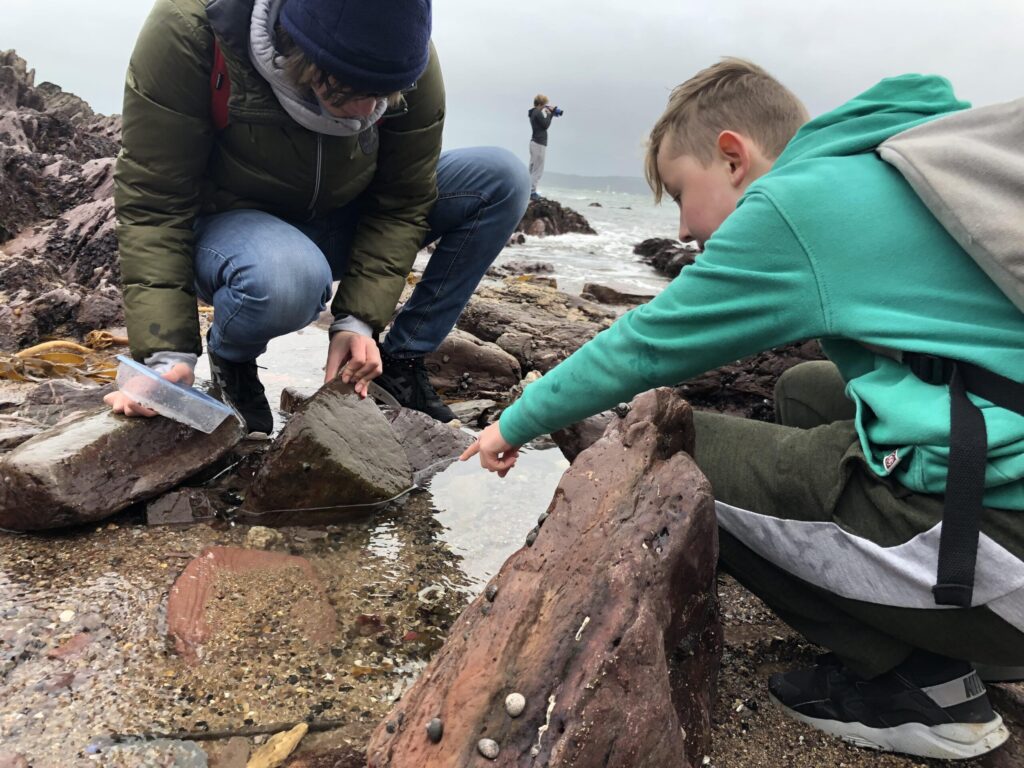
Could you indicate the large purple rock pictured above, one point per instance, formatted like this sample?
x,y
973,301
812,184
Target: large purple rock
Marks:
x,y
583,622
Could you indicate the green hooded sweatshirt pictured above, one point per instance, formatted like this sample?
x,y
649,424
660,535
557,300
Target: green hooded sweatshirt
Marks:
x,y
833,244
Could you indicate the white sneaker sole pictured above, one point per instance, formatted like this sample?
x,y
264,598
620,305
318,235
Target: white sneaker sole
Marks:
x,y
949,741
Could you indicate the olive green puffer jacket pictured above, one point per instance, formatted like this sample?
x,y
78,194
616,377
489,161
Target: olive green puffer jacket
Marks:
x,y
174,166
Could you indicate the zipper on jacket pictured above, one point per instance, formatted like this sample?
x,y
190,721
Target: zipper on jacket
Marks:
x,y
319,164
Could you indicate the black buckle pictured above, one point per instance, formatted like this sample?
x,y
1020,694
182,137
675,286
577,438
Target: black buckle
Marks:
x,y
931,369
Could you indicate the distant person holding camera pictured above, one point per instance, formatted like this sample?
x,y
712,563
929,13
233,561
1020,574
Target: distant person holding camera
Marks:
x,y
540,118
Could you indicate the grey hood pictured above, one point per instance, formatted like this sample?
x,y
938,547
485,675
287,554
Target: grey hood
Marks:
x,y
968,168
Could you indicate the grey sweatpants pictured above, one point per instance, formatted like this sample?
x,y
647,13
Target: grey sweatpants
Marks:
x,y
845,557
537,152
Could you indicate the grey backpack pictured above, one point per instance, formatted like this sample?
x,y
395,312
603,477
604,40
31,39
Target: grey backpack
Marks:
x,y
968,169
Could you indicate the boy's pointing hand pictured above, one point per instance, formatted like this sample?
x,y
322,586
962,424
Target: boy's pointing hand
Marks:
x,y
496,455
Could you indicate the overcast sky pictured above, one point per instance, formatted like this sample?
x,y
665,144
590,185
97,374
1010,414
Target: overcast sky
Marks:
x,y
610,65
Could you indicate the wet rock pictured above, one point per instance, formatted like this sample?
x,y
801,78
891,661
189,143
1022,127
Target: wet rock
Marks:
x,y
576,438
538,326
547,217
90,467
472,411
547,282
624,570
336,450
668,257
293,397
53,401
15,430
465,366
746,388
604,294
429,445
187,604
181,507
516,267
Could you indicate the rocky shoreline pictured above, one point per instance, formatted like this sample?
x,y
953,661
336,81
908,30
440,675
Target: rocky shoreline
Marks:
x,y
327,619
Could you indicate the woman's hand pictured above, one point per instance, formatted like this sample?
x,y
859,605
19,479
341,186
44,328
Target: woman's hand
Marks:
x,y
179,373
496,455
353,357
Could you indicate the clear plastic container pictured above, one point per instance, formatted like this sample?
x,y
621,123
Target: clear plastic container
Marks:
x,y
185,404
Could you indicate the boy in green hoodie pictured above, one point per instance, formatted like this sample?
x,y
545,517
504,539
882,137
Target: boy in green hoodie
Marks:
x,y
832,516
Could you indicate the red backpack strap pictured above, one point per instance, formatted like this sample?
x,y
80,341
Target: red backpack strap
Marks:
x,y
220,88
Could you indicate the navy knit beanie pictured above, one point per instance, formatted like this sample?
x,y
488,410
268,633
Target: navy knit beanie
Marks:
x,y
370,46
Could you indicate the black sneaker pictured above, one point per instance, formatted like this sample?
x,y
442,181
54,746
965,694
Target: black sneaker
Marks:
x,y
929,706
409,384
239,384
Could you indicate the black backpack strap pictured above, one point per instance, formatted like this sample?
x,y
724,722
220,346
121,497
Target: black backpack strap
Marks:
x,y
965,480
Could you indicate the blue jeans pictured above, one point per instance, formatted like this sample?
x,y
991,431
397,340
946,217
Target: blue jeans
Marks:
x,y
266,277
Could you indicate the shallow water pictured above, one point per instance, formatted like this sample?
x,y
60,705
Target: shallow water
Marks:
x,y
84,650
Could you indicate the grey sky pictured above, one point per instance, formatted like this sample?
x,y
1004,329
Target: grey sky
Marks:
x,y
610,65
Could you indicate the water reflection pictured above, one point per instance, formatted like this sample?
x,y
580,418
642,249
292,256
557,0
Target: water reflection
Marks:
x,y
485,517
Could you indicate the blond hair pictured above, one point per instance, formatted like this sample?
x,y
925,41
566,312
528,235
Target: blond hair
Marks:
x,y
733,95
540,100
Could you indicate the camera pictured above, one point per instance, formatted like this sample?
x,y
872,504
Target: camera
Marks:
x,y
557,111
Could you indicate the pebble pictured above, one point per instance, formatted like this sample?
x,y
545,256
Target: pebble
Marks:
x,y
431,595
488,748
435,730
491,592
515,703
261,537
531,537
542,518
66,616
